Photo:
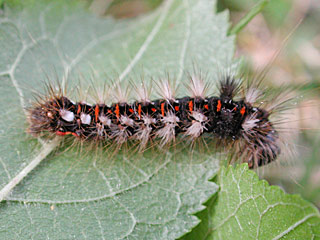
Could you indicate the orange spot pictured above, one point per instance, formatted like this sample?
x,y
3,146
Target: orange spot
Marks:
x,y
131,110
109,111
153,109
79,109
96,112
162,109
139,110
74,134
176,108
243,110
234,109
59,133
206,106
219,106
117,111
190,106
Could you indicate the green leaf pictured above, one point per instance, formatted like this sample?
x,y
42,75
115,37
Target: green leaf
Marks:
x,y
74,193
247,208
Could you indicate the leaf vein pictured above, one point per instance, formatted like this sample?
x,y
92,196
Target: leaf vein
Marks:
x,y
94,199
185,42
148,40
44,152
294,226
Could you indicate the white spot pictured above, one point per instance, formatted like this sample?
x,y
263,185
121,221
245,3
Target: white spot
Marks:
x,y
85,118
148,120
49,114
66,115
170,118
197,127
105,120
125,120
199,116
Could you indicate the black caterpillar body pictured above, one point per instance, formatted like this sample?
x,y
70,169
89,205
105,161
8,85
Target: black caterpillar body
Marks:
x,y
245,127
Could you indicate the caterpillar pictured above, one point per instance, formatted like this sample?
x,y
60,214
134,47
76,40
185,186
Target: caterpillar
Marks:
x,y
223,118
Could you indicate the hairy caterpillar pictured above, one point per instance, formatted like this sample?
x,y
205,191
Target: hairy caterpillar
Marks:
x,y
238,122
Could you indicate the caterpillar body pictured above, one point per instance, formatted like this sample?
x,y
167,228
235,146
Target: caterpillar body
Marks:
x,y
241,124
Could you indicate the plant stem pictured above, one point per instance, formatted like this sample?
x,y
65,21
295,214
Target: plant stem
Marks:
x,y
248,17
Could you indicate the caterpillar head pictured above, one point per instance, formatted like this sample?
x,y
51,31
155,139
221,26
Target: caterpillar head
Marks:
x,y
261,140
43,117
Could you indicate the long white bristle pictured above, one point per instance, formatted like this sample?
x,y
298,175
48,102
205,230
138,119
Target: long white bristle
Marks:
x,y
197,86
